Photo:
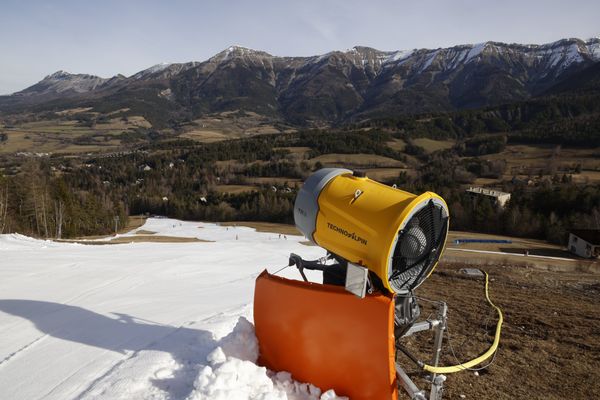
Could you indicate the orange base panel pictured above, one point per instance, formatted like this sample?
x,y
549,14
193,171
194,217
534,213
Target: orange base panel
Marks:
x,y
326,336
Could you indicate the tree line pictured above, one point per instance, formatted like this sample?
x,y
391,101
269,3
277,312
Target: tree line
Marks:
x,y
61,197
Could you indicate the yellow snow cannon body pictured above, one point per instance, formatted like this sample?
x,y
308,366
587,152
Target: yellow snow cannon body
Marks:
x,y
397,235
382,243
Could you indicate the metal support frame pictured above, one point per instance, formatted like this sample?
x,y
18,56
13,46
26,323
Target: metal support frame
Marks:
x,y
438,325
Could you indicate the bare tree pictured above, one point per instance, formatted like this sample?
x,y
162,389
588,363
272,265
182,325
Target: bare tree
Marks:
x,y
44,214
35,206
3,208
596,215
59,212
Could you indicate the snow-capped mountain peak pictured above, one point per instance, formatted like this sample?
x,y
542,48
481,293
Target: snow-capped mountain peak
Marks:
x,y
64,82
152,70
360,78
236,51
60,74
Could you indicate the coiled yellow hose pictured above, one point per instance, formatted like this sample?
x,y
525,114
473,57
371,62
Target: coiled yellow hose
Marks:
x,y
461,367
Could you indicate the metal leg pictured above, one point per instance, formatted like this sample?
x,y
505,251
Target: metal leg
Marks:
x,y
437,381
408,385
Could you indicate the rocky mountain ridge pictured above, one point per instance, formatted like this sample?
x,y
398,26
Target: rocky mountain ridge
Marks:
x,y
358,83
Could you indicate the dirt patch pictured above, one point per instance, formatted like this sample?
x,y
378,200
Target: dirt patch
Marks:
x,y
137,239
144,232
271,227
549,347
156,239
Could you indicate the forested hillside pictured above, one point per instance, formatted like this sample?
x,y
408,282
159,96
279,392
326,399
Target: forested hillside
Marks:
x,y
55,197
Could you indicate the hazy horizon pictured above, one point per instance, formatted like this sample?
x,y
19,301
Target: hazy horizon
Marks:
x,y
108,38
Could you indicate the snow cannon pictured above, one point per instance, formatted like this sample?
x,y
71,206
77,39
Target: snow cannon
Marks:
x,y
396,235
346,333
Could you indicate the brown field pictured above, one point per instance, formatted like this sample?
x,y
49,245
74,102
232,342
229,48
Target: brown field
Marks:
x,y
548,348
431,145
356,160
268,180
205,136
232,124
58,136
397,144
529,160
380,174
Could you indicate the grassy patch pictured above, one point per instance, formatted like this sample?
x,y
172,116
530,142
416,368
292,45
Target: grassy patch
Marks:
x,y
381,174
356,160
397,144
431,145
205,135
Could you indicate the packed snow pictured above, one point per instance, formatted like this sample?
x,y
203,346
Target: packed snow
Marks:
x,y
141,320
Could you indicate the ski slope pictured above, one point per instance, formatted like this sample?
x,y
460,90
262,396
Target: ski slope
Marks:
x,y
141,320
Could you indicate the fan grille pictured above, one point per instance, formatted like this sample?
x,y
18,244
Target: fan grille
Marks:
x,y
419,246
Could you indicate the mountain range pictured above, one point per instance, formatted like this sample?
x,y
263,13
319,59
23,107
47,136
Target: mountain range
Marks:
x,y
333,88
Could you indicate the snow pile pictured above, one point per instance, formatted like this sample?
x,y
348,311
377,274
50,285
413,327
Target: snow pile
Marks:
x,y
232,374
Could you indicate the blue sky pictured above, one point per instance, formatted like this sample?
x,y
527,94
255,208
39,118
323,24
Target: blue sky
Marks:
x,y
109,37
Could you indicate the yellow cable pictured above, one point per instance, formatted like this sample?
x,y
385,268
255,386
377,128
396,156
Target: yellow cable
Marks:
x,y
461,367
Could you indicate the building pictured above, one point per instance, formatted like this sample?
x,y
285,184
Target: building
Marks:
x,y
499,198
585,242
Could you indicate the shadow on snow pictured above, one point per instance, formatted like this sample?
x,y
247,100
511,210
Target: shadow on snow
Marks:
x,y
124,334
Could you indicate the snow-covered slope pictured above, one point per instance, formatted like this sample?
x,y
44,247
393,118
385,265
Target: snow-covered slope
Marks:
x,y
140,320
